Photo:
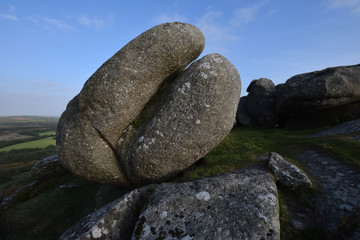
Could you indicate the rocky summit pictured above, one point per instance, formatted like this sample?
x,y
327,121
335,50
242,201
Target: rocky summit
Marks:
x,y
141,118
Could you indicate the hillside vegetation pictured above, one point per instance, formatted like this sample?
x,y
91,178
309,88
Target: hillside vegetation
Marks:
x,y
46,209
23,141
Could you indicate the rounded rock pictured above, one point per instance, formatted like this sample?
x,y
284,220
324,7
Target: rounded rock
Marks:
x,y
113,97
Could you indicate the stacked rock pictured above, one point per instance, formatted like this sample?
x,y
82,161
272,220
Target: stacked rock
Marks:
x,y
141,117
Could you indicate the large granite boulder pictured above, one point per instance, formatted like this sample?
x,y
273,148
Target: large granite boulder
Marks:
x,y
47,168
140,119
261,104
304,95
238,205
287,173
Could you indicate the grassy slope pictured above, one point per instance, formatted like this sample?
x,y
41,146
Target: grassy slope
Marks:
x,y
243,145
45,212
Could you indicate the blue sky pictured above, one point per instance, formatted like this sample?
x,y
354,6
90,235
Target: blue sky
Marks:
x,y
48,49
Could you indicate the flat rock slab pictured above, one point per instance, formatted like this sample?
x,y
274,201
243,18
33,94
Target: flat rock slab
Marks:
x,y
116,220
347,127
239,205
340,195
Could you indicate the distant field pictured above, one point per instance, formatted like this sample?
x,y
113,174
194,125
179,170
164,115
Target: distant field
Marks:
x,y
48,133
42,143
28,119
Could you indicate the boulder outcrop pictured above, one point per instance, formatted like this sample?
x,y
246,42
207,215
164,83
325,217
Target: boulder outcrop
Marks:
x,y
47,168
238,205
330,89
241,205
287,173
140,119
261,104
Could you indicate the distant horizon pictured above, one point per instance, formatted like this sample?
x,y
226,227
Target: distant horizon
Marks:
x,y
51,48
26,115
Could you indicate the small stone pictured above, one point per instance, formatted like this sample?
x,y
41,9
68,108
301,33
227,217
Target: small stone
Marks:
x,y
287,173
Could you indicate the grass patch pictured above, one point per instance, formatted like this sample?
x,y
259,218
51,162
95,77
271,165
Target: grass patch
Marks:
x,y
41,143
243,145
48,133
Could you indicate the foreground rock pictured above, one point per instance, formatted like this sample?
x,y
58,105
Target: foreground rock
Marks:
x,y
138,121
321,95
47,168
339,199
287,173
240,205
114,221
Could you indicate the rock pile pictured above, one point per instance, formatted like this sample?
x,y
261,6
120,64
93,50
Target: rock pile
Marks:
x,y
319,97
141,118
259,105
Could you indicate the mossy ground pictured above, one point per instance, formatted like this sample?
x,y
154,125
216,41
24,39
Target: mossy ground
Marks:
x,y
45,212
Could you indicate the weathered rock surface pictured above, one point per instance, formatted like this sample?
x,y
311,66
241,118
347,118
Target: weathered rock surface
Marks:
x,y
242,114
138,121
287,173
240,205
261,103
347,127
114,96
195,114
320,90
47,168
113,221
340,191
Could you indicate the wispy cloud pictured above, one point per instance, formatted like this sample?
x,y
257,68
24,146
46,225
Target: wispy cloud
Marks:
x,y
212,26
32,19
91,22
246,14
175,17
57,23
9,17
353,5
42,83
12,8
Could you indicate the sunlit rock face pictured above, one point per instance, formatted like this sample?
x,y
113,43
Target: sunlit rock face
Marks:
x,y
141,117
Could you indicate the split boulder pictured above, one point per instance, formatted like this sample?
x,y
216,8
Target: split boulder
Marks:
x,y
140,118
